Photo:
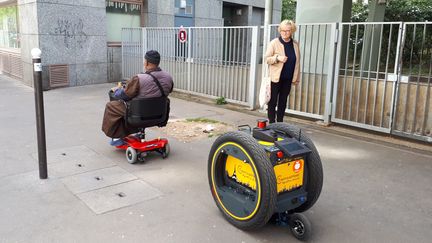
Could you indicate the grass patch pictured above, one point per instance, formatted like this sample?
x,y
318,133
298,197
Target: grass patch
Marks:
x,y
202,120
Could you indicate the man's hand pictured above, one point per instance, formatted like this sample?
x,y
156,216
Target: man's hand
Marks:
x,y
296,82
119,85
282,59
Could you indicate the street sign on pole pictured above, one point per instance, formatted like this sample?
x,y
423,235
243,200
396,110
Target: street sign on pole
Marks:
x,y
182,35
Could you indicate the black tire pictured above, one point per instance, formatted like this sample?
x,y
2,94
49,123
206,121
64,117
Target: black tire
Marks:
x,y
166,151
131,155
264,199
300,226
314,166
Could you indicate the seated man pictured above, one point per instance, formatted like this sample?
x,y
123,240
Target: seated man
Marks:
x,y
140,86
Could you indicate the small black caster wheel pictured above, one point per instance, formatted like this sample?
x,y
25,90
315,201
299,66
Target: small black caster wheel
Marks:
x,y
166,151
300,226
131,155
142,156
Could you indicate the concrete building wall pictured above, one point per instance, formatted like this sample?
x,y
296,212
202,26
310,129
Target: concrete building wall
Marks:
x,y
208,13
68,33
277,7
159,13
323,11
257,16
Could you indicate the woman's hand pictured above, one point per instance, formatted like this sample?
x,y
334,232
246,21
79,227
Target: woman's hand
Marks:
x,y
296,82
282,59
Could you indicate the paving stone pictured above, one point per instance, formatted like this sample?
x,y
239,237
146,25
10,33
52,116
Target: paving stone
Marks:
x,y
67,154
78,166
97,179
119,196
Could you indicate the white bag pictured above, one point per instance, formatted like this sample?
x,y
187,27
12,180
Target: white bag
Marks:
x,y
265,92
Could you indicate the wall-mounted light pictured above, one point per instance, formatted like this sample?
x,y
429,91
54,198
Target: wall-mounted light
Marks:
x,y
239,11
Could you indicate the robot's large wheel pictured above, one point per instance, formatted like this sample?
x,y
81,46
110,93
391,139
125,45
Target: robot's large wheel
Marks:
x,y
242,180
313,166
300,226
131,155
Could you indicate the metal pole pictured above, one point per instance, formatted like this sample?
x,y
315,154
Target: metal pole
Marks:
x,y
252,73
40,120
268,13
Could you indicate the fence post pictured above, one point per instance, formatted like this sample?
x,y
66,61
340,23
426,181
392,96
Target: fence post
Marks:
x,y
253,67
266,40
123,44
144,45
332,72
398,71
189,59
40,120
335,76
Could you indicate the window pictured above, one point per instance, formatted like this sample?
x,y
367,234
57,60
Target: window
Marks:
x,y
122,14
9,32
188,10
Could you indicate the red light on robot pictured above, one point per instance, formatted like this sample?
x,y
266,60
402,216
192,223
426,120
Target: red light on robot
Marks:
x,y
279,154
262,124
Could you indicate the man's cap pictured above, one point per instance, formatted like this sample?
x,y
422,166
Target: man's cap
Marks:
x,y
153,56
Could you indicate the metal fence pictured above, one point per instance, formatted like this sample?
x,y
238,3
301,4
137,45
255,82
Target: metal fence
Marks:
x,y
366,76
374,76
133,46
413,103
213,62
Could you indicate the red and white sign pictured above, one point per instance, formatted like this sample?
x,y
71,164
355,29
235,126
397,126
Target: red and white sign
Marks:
x,y
182,35
297,166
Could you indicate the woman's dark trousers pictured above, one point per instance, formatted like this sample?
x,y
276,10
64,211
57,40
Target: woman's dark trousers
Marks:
x,y
279,97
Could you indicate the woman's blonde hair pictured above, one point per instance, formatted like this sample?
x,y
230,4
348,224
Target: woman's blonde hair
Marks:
x,y
288,22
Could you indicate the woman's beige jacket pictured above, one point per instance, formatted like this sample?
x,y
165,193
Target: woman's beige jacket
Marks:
x,y
274,49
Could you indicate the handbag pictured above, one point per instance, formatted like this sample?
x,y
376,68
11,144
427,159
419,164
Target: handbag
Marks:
x,y
265,91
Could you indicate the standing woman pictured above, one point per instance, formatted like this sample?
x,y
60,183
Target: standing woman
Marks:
x,y
283,58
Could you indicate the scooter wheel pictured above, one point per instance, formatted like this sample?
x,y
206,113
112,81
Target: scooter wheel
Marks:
x,y
300,226
131,155
165,151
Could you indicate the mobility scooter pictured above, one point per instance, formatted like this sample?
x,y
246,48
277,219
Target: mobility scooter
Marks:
x,y
141,114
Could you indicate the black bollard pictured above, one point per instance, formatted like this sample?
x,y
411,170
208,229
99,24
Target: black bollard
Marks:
x,y
40,117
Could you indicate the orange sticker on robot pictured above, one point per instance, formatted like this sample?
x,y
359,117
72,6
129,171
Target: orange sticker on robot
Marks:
x,y
297,167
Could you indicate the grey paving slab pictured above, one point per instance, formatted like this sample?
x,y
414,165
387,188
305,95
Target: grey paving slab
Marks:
x,y
97,179
78,166
28,182
119,196
67,154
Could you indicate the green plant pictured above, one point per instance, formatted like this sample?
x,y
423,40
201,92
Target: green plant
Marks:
x,y
203,120
221,101
289,8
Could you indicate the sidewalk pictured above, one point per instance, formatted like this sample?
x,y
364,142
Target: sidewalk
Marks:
x,y
372,191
